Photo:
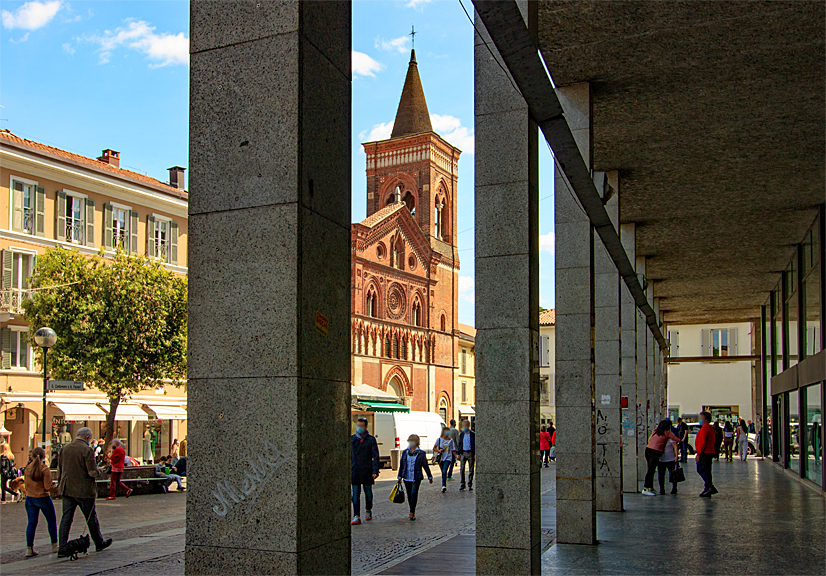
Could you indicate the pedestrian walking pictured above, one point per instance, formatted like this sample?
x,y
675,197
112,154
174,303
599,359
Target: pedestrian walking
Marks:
x,y
164,470
467,454
667,464
706,450
76,473
38,479
552,432
654,451
412,467
544,446
173,452
751,428
743,440
116,461
728,440
718,440
7,471
446,449
682,433
364,469
182,450
454,435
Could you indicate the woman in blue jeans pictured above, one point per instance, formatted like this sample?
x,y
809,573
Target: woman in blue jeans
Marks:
x,y
446,449
410,471
38,480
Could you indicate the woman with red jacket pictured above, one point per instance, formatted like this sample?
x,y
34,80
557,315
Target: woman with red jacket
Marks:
x,y
544,446
116,460
653,453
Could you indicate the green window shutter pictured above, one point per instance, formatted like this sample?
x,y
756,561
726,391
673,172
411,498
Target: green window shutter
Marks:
x,y
40,212
107,226
6,358
17,207
90,222
133,232
150,236
173,243
8,269
61,216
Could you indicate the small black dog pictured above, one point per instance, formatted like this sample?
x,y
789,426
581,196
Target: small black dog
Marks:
x,y
75,547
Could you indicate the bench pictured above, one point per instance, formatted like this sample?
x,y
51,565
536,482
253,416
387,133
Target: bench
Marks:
x,y
141,479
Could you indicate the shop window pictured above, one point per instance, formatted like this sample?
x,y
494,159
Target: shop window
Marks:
x,y
814,435
793,430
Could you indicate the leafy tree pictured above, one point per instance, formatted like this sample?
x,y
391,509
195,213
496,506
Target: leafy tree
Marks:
x,y
120,322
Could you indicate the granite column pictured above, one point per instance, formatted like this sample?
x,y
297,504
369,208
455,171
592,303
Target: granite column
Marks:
x,y
507,318
269,289
642,382
629,312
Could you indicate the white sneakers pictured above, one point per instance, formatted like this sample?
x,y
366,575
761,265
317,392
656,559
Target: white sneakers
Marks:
x,y
648,492
444,489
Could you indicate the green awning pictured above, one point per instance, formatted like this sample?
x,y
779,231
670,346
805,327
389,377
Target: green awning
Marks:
x,y
376,406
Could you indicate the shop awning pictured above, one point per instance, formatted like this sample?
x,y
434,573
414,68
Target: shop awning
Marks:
x,y
81,412
128,412
466,410
385,406
168,412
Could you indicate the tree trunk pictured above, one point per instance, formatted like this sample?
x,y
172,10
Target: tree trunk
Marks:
x,y
114,401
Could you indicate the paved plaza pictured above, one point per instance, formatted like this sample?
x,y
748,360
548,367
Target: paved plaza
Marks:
x,y
694,535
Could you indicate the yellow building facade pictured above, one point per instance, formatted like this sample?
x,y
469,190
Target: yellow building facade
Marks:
x,y
53,198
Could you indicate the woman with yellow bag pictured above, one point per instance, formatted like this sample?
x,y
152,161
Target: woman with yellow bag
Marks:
x,y
412,462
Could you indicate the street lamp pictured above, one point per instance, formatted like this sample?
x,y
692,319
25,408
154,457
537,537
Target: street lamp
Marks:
x,y
45,338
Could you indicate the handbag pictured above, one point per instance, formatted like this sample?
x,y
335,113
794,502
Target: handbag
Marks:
x,y
676,475
397,494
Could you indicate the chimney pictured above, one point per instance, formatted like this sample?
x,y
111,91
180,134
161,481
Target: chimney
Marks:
x,y
176,177
111,157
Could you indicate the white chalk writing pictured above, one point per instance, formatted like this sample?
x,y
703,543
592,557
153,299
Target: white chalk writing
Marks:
x,y
256,476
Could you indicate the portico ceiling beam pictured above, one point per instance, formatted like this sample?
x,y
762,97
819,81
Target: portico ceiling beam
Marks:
x,y
506,26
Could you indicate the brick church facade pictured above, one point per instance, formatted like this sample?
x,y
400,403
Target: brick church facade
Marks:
x,y
405,266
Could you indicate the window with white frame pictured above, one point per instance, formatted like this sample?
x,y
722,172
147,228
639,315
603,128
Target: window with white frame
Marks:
x,y
120,228
161,239
719,342
27,207
75,219
17,268
16,349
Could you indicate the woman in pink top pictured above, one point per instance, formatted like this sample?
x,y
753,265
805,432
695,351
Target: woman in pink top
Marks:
x,y
653,453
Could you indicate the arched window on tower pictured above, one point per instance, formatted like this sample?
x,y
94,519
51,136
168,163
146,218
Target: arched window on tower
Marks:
x,y
444,323
411,203
437,229
387,349
417,314
399,253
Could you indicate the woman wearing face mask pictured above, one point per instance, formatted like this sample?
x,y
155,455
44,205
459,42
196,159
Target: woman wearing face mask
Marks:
x,y
445,447
412,462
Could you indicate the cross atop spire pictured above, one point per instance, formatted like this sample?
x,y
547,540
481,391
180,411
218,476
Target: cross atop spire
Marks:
x,y
413,36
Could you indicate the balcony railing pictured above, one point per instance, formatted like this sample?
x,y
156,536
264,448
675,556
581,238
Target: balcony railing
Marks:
x,y
11,300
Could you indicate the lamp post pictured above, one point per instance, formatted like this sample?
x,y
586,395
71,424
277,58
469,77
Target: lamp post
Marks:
x,y
45,338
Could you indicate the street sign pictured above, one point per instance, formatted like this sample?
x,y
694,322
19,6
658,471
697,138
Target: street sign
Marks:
x,y
65,385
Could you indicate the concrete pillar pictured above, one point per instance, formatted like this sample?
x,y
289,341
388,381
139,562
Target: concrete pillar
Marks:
x,y
628,321
269,290
651,347
575,418
642,382
659,413
507,320
607,367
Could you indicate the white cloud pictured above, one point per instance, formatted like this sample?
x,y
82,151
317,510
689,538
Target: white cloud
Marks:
x,y
417,3
398,44
377,132
67,48
467,288
163,49
31,15
449,127
546,242
363,65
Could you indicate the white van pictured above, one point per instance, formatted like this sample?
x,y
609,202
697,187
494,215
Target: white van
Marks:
x,y
392,429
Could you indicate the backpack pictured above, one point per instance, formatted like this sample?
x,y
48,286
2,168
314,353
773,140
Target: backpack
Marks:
x,y
7,468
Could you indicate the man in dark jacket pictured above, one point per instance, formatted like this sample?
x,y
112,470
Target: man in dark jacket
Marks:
x,y
76,473
466,449
364,469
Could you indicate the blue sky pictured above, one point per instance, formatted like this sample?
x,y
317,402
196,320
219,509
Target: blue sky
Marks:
x,y
85,76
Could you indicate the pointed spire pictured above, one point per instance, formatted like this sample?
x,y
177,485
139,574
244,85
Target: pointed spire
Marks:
x,y
412,116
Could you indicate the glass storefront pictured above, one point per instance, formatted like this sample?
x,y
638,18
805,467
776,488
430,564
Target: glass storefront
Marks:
x,y
814,438
793,430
